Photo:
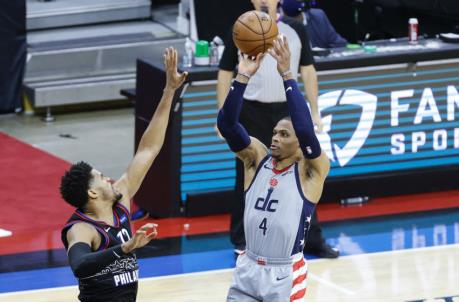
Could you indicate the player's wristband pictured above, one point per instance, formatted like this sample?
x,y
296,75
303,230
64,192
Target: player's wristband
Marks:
x,y
246,75
286,73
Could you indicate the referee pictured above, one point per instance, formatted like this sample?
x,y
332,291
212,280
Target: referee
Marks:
x,y
264,105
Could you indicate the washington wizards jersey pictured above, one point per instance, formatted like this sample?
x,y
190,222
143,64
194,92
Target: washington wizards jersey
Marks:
x,y
117,281
277,214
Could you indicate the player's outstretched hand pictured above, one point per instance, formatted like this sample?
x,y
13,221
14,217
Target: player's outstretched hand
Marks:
x,y
281,53
249,65
142,236
173,79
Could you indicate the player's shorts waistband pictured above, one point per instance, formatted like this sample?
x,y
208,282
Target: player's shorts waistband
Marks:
x,y
273,261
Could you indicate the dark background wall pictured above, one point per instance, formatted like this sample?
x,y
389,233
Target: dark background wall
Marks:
x,y
161,2
353,19
13,51
385,19
216,17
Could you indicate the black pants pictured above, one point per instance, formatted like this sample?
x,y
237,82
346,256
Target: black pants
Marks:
x,y
259,119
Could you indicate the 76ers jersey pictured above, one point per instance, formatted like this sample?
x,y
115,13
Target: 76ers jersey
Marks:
x,y
117,281
277,214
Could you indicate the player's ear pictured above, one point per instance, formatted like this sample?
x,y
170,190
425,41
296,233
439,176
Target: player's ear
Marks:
x,y
92,194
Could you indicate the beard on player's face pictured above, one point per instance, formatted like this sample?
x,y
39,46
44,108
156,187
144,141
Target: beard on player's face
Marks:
x,y
113,195
103,188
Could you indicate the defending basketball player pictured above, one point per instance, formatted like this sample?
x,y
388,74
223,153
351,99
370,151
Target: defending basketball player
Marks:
x,y
282,188
98,237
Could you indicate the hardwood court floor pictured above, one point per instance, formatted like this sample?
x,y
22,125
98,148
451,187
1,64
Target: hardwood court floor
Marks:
x,y
408,275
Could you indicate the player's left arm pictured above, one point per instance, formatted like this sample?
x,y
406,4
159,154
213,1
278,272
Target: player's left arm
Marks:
x,y
308,72
315,164
153,138
314,171
314,158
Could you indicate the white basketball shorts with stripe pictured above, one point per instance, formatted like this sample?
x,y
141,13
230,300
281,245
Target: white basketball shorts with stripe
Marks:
x,y
259,281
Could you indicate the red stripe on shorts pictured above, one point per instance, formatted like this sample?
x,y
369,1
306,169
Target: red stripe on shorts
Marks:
x,y
299,279
299,264
298,295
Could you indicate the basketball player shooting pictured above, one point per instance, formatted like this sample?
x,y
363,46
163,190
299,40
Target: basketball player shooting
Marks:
x,y
282,188
98,237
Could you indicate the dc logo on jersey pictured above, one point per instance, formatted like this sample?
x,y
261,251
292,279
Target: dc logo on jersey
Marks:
x,y
267,204
362,99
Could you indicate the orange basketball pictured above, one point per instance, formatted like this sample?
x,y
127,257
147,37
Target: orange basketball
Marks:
x,y
254,32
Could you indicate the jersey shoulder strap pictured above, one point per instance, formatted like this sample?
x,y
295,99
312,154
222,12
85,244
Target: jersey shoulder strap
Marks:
x,y
79,217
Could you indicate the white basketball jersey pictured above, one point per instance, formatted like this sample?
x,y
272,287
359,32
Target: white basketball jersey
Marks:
x,y
277,214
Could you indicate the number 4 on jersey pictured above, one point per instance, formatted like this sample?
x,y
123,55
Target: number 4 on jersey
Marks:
x,y
263,226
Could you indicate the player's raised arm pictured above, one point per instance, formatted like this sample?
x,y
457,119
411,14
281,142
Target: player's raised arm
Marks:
x,y
250,150
153,138
299,112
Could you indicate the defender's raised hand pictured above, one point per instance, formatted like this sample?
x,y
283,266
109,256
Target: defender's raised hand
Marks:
x,y
142,236
173,79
